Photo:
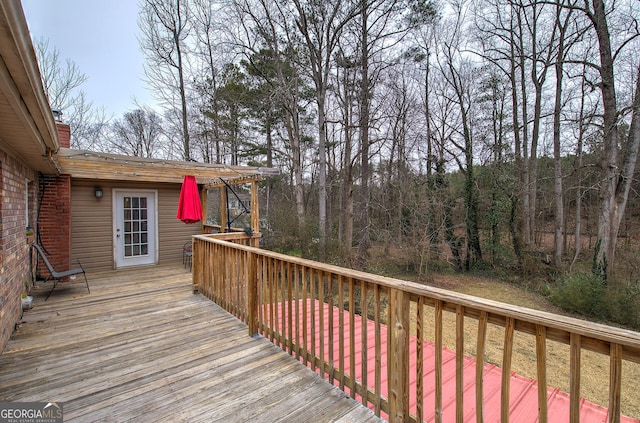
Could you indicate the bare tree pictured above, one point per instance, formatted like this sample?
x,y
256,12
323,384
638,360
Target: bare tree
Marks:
x,y
617,171
62,83
272,55
583,121
164,25
346,80
321,25
138,133
207,26
563,45
458,73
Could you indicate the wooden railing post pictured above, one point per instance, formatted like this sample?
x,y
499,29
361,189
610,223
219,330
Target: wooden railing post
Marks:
x,y
398,356
196,265
252,293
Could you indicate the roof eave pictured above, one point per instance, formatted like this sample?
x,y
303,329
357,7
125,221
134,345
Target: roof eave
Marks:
x,y
83,164
21,84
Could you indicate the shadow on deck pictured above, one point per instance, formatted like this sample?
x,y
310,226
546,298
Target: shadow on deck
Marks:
x,y
142,347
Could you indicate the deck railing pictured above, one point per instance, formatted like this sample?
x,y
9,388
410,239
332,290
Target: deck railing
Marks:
x,y
338,321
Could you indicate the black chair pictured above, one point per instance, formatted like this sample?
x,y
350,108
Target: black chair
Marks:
x,y
58,276
187,254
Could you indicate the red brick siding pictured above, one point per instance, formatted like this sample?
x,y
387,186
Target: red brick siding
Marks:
x,y
55,221
14,251
64,134
55,213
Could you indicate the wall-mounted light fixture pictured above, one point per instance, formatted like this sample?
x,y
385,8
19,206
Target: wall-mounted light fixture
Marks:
x,y
98,192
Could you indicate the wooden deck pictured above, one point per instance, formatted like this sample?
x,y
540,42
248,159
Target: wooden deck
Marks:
x,y
142,347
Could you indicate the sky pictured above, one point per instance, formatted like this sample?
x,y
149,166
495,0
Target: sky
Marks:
x,y
101,38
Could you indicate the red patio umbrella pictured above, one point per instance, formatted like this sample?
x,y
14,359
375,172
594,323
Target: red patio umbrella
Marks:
x,y
189,206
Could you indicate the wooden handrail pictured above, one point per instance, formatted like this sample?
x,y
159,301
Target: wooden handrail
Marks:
x,y
294,302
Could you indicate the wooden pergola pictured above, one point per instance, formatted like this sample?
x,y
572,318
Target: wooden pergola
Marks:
x,y
114,167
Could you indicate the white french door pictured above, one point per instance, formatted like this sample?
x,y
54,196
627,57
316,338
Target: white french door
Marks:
x,y
135,227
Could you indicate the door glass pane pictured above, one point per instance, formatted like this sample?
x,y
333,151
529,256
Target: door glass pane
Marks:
x,y
135,226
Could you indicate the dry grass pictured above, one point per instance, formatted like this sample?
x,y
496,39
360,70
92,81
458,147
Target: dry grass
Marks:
x,y
595,367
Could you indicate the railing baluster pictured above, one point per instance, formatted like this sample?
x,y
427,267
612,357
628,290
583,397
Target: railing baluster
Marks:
x,y
482,336
506,369
321,338
304,315
296,281
331,328
377,311
615,382
341,330
232,284
314,352
265,294
575,343
273,323
352,339
290,308
459,364
282,278
240,289
420,360
363,336
252,291
438,359
226,293
541,366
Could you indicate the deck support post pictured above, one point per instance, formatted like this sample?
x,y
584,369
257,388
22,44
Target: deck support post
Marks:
x,y
204,193
255,215
223,209
398,356
252,293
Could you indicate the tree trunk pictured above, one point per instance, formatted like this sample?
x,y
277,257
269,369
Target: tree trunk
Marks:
x,y
525,169
557,158
578,197
607,230
347,193
516,218
322,170
363,241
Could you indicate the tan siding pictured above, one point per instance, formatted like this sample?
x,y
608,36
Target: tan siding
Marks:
x,y
172,232
92,223
91,226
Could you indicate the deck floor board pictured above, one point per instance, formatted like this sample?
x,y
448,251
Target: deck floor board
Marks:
x,y
141,347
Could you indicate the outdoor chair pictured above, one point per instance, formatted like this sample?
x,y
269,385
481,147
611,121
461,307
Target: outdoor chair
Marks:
x,y
187,254
58,276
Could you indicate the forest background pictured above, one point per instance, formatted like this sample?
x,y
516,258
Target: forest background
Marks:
x,y
414,137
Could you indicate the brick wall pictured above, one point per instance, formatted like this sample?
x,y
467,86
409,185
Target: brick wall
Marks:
x,y
54,222
14,250
64,134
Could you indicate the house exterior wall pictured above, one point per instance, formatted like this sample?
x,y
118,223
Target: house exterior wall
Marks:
x,y
92,222
14,249
54,221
